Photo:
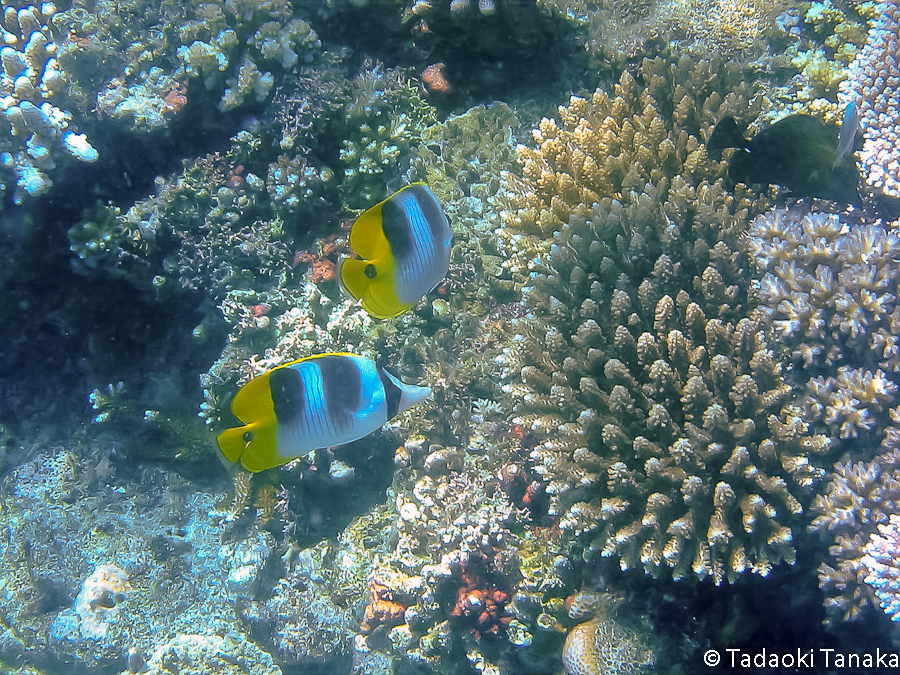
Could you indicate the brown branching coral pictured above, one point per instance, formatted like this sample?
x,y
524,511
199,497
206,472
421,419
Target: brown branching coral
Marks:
x,y
665,417
650,130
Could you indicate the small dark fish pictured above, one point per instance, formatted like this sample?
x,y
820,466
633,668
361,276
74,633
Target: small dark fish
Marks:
x,y
798,152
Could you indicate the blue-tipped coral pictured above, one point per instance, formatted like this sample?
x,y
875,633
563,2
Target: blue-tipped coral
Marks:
x,y
34,132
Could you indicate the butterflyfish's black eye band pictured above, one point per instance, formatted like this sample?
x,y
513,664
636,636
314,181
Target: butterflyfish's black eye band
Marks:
x,y
371,272
248,436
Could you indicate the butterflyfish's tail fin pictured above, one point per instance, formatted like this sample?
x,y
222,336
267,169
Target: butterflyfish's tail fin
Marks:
x,y
411,394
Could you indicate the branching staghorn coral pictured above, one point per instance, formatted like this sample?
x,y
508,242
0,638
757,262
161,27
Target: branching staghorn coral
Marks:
x,y
663,411
873,83
827,289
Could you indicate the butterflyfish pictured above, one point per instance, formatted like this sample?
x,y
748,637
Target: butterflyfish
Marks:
x,y
404,243
797,152
317,402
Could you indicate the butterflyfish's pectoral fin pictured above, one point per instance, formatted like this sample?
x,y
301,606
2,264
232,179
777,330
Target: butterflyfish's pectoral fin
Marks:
x,y
356,276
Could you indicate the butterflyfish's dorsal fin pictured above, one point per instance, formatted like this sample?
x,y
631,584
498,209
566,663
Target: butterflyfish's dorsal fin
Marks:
x,y
254,400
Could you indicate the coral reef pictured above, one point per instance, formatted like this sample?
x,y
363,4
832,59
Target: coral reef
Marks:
x,y
857,503
196,654
304,620
35,132
602,645
732,27
642,371
873,84
384,118
138,549
143,56
825,288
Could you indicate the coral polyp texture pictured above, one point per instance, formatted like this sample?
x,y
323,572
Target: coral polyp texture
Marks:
x,y
874,83
35,133
602,645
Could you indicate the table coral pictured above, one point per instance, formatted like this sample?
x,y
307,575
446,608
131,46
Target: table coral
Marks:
x,y
873,83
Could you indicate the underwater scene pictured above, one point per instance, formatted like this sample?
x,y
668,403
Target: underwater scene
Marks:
x,y
410,337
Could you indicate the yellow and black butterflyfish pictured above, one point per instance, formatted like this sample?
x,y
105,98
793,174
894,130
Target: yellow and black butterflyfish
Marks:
x,y
317,402
404,243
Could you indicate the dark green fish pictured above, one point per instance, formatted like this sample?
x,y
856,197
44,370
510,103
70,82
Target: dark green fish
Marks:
x,y
797,152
